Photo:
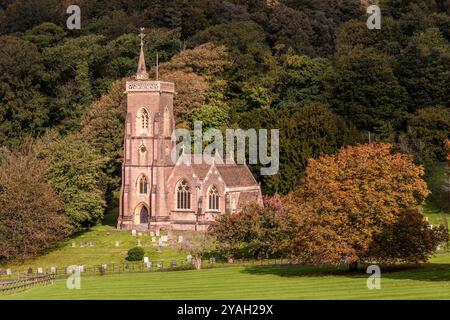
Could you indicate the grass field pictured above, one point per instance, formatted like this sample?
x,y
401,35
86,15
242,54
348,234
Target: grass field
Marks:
x,y
430,281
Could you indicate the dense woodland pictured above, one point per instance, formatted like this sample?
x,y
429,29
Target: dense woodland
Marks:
x,y
310,68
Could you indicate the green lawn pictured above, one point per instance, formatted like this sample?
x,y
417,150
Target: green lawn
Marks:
x,y
431,281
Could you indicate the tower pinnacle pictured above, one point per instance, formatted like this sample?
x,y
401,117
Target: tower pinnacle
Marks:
x,y
141,73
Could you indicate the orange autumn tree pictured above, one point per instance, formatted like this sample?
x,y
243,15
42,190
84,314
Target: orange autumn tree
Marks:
x,y
349,201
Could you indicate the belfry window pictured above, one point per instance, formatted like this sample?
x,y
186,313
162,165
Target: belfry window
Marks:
x,y
213,198
143,121
183,195
143,185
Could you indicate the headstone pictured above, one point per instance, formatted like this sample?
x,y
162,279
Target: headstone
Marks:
x,y
30,271
180,239
39,270
140,234
189,258
117,243
165,238
149,264
53,270
152,234
139,242
157,232
145,259
160,241
74,244
431,226
90,244
212,260
153,239
159,249
81,244
426,219
174,263
133,233
8,272
104,267
159,264
81,268
438,247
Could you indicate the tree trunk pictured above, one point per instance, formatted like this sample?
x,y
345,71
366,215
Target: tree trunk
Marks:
x,y
353,266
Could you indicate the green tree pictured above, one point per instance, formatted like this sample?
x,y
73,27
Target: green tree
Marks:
x,y
308,133
422,69
427,132
23,107
364,90
76,174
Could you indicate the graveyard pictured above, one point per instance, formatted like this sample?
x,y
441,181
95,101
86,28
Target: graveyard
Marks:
x,y
102,244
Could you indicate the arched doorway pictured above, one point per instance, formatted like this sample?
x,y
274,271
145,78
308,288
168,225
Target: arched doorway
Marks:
x,y
144,214
141,214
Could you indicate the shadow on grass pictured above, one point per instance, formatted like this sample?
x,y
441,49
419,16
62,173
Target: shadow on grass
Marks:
x,y
424,272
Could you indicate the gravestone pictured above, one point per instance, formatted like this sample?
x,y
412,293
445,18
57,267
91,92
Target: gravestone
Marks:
x,y
157,232
81,268
30,271
189,258
8,272
140,234
212,260
104,267
81,244
174,263
159,264
133,233
53,270
160,241
117,243
165,238
180,239
159,249
90,244
74,244
139,242
145,259
152,234
39,270
153,239
149,264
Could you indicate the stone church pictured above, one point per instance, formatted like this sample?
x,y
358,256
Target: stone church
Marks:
x,y
157,193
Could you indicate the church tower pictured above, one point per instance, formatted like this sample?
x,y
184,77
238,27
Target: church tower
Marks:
x,y
147,148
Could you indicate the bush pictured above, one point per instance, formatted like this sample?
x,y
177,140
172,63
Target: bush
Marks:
x,y
135,254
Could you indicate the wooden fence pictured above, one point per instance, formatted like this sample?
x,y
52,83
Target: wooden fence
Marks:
x,y
137,267
21,284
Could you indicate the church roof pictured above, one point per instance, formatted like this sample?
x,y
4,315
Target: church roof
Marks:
x,y
236,175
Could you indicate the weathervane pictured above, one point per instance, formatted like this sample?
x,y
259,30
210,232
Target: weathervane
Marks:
x,y
142,35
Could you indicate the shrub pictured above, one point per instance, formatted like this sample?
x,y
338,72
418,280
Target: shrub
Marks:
x,y
135,254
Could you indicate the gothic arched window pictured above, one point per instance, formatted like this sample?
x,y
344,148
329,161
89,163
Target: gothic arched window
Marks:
x,y
143,120
143,185
183,195
213,198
